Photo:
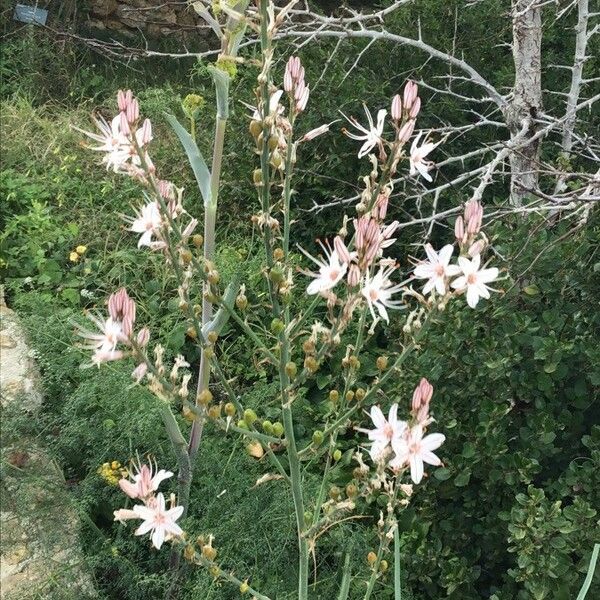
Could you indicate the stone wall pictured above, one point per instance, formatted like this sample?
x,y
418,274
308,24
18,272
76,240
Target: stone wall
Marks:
x,y
153,18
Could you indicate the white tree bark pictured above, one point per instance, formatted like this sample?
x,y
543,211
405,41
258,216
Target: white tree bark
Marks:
x,y
527,95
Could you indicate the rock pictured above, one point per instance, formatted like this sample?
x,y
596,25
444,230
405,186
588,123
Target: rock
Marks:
x,y
40,556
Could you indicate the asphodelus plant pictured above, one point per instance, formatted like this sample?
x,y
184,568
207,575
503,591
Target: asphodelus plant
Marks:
x,y
352,287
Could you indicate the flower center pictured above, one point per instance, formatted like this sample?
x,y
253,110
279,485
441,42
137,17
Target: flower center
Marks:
x,y
472,279
374,295
439,270
334,274
415,448
388,431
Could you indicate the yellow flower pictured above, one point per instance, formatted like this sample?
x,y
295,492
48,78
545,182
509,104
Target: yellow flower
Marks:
x,y
81,250
74,257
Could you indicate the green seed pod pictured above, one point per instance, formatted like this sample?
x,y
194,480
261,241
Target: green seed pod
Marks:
x,y
255,128
209,353
277,326
317,437
267,427
242,424
244,587
334,396
308,517
337,455
213,336
278,429
250,416
257,177
349,396
335,492
360,394
230,409
276,275
383,566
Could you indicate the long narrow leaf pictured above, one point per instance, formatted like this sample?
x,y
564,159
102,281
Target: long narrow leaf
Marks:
x,y
590,574
196,160
221,80
345,587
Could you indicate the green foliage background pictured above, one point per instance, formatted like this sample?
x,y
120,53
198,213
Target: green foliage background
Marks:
x,y
512,514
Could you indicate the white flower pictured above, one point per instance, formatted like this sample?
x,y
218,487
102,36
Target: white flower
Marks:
x,y
370,135
330,272
436,269
147,222
378,292
417,157
385,432
145,481
160,523
474,279
414,450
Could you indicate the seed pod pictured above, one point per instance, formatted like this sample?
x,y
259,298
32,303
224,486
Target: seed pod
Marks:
x,y
205,397
191,333
276,275
349,396
209,353
186,257
257,177
209,552
317,437
250,416
337,455
371,557
214,412
277,326
351,490
197,240
255,128
382,362
383,566
308,517
213,336
278,254
278,429
291,369
213,277
335,492
230,409
360,394
241,302
308,346
334,396
244,587
189,552
267,427
310,364
354,362
242,424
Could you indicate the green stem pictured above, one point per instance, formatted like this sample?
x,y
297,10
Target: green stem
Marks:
x,y
397,581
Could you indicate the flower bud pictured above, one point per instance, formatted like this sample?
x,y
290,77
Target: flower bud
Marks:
x,y
278,429
406,131
396,111
459,228
250,416
415,108
291,369
341,249
476,248
143,336
204,397
230,409
353,276
410,94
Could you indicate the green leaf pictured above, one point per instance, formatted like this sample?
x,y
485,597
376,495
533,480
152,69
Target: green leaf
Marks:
x,y
462,479
531,290
196,160
442,474
221,80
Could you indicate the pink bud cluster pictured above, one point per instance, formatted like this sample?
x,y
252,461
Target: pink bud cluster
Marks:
x,y
467,228
405,110
294,84
420,402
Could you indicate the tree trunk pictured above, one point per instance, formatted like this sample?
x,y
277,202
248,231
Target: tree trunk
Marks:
x,y
527,95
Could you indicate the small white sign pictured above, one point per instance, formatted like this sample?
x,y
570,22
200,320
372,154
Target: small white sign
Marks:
x,y
30,14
